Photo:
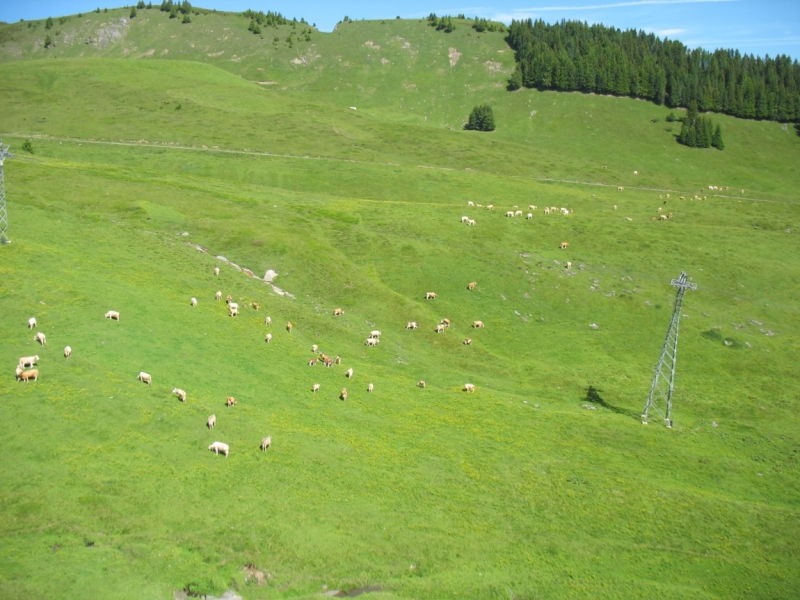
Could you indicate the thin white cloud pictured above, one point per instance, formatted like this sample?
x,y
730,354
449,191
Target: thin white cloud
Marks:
x,y
666,32
528,12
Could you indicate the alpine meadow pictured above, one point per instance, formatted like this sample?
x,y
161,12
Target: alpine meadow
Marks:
x,y
481,433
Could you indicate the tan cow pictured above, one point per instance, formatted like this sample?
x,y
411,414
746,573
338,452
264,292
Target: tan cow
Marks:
x,y
471,285
337,312
564,245
312,362
478,324
211,422
289,327
445,322
26,375
230,401
343,395
468,342
255,305
421,384
469,387
440,328
430,296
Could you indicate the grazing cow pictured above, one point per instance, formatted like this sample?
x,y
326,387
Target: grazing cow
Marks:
x,y
268,321
327,362
324,357
615,207
314,348
31,322
233,305
440,328
230,401
40,337
636,172
218,296
180,394
254,305
510,213
471,285
682,198
229,299
620,188
372,341
289,327
145,378
659,209
478,324
530,216
315,388
67,352
471,222
349,373
337,312
469,387
266,443
546,211
343,395
518,213
370,387
569,265
218,447
663,217
412,325
338,360
669,216
531,207
421,384
375,333
216,271
468,342
268,339
490,207
312,362
445,322
194,301
470,203
212,420
112,314
430,296
465,219
564,245
28,361
26,375
234,311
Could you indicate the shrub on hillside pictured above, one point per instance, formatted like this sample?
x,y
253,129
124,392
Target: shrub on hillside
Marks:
x,y
48,24
481,118
27,146
48,41
133,12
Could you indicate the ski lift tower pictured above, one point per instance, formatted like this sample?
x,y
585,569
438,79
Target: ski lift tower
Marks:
x,y
660,399
4,154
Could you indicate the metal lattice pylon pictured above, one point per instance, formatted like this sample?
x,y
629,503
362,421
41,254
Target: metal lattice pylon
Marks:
x,y
660,399
4,153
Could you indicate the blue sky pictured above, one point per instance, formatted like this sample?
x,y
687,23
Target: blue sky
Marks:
x,y
753,26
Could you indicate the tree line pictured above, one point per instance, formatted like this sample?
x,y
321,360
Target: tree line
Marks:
x,y
575,56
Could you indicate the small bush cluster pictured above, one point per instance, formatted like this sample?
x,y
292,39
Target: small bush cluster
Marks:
x,y
481,118
444,23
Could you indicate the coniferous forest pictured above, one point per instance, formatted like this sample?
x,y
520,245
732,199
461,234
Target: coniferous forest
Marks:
x,y
572,55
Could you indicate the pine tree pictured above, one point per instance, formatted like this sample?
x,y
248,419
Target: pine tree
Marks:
x,y
133,12
717,140
481,118
48,24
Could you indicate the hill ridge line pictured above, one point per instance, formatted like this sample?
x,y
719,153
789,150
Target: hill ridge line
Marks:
x,y
361,162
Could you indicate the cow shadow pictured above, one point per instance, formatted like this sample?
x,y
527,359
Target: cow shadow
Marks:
x,y
593,397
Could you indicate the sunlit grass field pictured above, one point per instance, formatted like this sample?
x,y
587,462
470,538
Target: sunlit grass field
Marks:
x,y
515,491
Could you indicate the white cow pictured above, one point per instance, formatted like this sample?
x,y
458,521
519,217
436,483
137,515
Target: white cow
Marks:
x,y
372,341
218,447
194,301
40,337
180,394
530,216
112,314
268,321
465,219
268,339
370,387
315,388
375,333
412,325
471,222
349,373
216,270
145,378
218,296
469,387
67,352
440,328
31,322
211,422
28,361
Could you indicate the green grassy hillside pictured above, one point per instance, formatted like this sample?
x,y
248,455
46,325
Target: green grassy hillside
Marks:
x,y
515,491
